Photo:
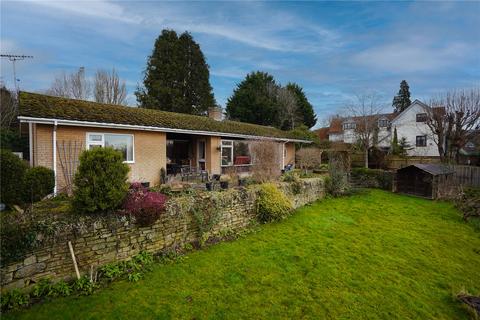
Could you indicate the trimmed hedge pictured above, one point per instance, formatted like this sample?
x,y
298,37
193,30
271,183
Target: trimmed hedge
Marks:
x,y
100,181
272,204
372,178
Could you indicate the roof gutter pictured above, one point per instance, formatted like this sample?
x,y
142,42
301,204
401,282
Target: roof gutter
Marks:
x,y
78,123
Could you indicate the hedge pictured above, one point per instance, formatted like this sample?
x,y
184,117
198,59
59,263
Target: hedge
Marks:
x,y
372,178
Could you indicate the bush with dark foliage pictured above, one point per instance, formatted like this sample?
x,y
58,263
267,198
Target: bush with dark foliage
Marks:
x,y
39,182
12,178
372,178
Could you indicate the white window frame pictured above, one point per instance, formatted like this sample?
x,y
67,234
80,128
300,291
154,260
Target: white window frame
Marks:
x,y
221,152
102,143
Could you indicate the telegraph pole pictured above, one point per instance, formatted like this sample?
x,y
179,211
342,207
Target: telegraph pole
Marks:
x,y
13,58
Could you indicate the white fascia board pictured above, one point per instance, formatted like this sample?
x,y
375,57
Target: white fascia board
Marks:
x,y
78,123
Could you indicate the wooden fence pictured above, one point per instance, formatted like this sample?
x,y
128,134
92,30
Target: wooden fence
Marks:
x,y
467,175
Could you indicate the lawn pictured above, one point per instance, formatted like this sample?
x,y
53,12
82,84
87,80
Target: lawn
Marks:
x,y
375,255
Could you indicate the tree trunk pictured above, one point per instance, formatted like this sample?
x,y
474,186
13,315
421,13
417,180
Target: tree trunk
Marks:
x,y
366,158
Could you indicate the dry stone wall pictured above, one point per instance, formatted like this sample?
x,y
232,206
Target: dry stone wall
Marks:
x,y
102,240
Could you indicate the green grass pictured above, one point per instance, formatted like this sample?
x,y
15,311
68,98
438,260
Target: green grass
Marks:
x,y
368,256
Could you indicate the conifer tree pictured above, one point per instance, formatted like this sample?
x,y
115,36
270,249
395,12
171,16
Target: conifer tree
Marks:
x,y
402,100
395,149
304,107
177,76
254,100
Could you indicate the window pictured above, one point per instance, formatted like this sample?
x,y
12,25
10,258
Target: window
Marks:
x,y
383,123
349,125
120,142
241,153
227,152
421,141
421,117
235,153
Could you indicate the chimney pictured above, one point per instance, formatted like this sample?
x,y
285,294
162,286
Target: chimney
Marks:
x,y
215,113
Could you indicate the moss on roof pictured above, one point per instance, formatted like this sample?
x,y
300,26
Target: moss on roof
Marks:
x,y
43,106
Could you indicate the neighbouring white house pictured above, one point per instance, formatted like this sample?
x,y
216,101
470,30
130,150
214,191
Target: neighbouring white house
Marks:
x,y
410,124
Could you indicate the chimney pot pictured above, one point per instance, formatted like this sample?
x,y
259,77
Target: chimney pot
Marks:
x,y
215,113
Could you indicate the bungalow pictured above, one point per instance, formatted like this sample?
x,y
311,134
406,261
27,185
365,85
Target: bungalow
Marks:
x,y
150,140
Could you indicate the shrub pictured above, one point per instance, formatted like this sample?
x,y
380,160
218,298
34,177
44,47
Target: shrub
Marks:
x,y
296,184
13,174
39,182
372,178
309,158
17,240
144,205
469,203
272,204
14,299
266,156
337,182
100,181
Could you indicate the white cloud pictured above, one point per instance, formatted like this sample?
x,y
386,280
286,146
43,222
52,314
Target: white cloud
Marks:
x,y
252,24
401,57
96,9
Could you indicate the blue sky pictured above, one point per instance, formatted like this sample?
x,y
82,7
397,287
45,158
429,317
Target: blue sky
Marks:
x,y
335,50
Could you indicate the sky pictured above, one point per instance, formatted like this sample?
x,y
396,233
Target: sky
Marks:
x,y
334,50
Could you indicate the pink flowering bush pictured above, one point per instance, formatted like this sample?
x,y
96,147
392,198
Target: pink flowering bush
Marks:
x,y
144,205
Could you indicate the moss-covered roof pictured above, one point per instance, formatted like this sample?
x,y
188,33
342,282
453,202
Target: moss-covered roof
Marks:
x,y
43,106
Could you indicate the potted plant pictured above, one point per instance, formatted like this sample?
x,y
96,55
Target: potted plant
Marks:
x,y
224,180
242,180
209,185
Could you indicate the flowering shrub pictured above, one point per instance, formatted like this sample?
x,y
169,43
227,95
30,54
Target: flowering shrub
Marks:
x,y
144,205
272,204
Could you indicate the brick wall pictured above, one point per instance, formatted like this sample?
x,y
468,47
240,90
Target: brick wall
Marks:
x,y
100,240
290,153
149,151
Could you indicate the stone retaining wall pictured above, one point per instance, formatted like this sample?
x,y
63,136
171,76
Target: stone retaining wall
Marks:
x,y
108,239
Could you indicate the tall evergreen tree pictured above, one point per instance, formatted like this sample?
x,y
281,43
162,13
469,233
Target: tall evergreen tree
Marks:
x,y
395,142
304,107
254,100
402,100
177,76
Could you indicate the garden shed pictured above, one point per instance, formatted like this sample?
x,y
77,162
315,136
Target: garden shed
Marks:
x,y
422,180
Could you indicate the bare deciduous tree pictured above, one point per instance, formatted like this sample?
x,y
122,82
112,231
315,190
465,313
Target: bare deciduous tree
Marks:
x,y
309,158
266,156
452,119
289,110
74,85
108,88
365,112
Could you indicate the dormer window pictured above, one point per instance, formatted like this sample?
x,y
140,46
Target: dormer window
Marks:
x,y
383,123
421,117
349,125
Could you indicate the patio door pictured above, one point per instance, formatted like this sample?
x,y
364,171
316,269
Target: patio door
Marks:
x,y
201,154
